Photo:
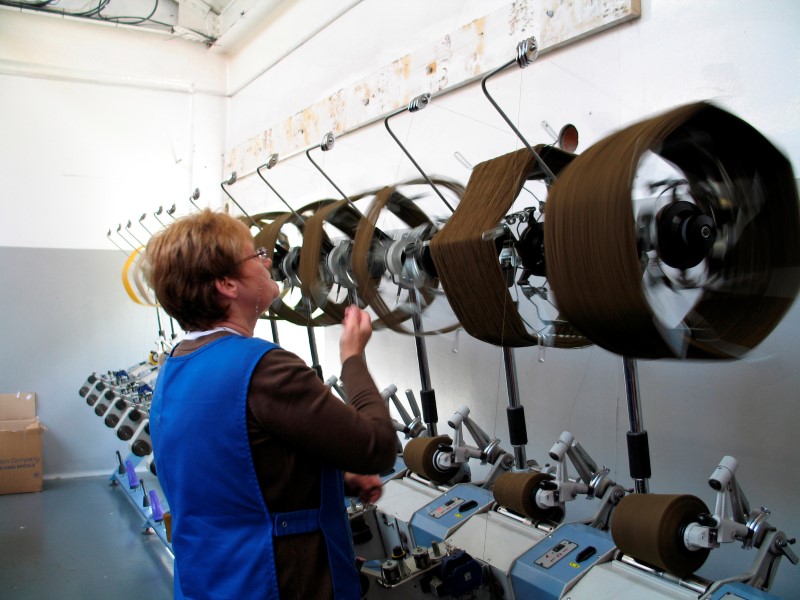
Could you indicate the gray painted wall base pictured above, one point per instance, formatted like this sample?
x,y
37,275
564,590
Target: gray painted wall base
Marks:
x,y
64,314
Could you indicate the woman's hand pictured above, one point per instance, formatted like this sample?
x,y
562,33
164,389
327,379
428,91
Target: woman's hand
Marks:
x,y
356,334
366,487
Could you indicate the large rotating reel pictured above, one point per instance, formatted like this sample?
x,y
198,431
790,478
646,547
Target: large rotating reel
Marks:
x,y
676,237
372,266
476,271
285,253
409,267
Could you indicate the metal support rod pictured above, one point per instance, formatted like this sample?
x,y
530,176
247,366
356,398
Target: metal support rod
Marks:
x,y
638,449
631,374
195,195
158,212
108,235
274,327
416,104
273,159
325,175
171,212
527,51
141,222
312,344
520,460
160,326
325,145
127,241
229,181
422,353
130,233
422,360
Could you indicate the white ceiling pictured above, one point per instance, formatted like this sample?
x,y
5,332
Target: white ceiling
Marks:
x,y
222,24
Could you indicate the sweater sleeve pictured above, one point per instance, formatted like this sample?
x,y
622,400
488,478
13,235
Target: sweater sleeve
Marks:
x,y
290,402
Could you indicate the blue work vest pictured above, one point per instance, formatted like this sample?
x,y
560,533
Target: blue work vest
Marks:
x,y
222,530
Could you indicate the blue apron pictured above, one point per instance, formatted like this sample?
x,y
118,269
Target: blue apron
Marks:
x,y
221,529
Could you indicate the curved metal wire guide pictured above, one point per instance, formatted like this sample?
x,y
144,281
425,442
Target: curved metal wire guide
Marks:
x,y
230,181
415,105
271,162
527,51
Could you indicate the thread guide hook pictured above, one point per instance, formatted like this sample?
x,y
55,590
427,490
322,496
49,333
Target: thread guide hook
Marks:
x,y
527,51
108,235
130,233
327,143
195,195
127,241
271,162
230,181
415,105
141,222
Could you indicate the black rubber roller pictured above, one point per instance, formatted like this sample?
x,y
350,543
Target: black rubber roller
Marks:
x,y
419,456
649,528
517,492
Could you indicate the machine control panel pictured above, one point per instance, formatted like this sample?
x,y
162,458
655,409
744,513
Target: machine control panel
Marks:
x,y
445,508
554,565
555,554
438,519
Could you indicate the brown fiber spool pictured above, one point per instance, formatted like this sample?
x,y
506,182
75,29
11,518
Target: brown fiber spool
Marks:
x,y
517,492
462,257
419,454
649,528
591,242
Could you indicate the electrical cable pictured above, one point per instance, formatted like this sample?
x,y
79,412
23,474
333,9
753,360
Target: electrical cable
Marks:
x,y
95,14
138,21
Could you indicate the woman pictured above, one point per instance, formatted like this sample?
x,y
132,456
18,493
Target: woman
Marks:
x,y
250,443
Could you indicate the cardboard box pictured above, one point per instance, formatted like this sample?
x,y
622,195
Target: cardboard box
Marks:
x,y
20,444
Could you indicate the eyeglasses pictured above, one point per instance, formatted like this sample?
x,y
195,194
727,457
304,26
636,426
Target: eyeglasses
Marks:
x,y
261,253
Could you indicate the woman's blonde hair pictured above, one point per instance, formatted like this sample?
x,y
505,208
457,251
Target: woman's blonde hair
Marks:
x,y
183,261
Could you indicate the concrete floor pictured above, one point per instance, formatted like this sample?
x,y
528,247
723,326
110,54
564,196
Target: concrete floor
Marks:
x,y
79,539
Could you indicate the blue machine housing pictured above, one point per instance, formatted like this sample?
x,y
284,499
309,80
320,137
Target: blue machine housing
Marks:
x,y
437,520
567,553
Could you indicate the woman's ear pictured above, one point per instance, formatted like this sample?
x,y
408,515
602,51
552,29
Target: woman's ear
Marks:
x,y
227,288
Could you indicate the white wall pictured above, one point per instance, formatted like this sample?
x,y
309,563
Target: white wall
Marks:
x,y
738,54
88,152
99,125
106,124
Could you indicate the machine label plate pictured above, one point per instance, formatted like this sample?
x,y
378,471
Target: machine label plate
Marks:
x,y
555,554
445,508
